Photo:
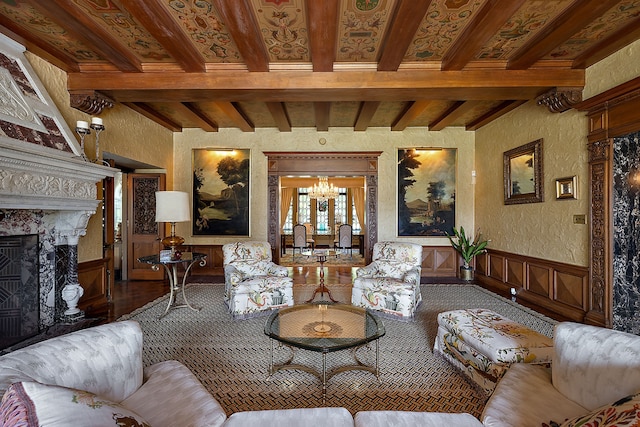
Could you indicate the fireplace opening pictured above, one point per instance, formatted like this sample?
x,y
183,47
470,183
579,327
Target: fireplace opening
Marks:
x,y
19,289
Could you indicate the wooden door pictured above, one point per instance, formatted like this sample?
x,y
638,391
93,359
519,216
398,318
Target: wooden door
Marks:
x,y
143,233
108,231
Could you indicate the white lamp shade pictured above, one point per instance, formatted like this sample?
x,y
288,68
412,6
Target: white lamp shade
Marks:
x,y
172,206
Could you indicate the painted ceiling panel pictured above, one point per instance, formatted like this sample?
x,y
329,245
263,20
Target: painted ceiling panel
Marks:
x,y
387,113
283,25
32,21
361,26
343,114
258,113
532,17
441,26
301,113
201,21
616,18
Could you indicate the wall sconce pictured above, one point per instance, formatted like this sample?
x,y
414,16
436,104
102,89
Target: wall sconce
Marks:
x,y
83,129
172,207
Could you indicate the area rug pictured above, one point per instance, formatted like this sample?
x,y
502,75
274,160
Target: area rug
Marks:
x,y
341,260
231,358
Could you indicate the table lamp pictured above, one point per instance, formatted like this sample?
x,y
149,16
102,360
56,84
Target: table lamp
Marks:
x,y
172,207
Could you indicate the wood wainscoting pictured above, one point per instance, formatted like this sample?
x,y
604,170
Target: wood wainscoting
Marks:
x,y
561,288
437,261
92,276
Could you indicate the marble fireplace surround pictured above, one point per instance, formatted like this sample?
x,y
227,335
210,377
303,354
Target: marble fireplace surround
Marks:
x,y
47,187
52,196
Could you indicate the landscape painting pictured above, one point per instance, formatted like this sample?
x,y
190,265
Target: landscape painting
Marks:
x,y
426,191
221,192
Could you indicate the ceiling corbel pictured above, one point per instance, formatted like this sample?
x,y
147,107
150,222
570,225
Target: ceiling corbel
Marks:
x,y
90,102
559,100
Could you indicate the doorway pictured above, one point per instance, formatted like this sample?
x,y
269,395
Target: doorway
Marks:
x,y
331,164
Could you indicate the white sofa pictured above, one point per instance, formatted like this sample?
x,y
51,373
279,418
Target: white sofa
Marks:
x,y
593,368
95,377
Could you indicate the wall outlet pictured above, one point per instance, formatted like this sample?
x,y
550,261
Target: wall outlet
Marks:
x,y
579,219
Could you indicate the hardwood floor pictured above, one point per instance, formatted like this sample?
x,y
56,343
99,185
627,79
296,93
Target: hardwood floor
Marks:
x,y
128,296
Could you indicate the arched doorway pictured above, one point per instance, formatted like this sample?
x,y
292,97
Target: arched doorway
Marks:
x,y
328,164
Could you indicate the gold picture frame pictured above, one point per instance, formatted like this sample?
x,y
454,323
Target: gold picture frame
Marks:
x,y
567,188
523,174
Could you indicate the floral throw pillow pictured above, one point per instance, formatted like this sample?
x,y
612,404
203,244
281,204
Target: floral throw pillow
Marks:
x,y
30,404
623,413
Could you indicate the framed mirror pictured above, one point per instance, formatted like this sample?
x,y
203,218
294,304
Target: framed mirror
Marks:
x,y
523,178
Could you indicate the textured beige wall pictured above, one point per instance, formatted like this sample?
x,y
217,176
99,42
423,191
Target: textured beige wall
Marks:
x,y
612,71
544,230
127,134
376,139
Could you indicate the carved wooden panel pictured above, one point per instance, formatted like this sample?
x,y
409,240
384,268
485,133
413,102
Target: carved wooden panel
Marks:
x,y
555,286
214,260
571,289
515,272
439,261
92,276
539,279
496,270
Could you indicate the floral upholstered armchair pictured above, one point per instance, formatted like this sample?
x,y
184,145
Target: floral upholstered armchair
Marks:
x,y
391,283
253,283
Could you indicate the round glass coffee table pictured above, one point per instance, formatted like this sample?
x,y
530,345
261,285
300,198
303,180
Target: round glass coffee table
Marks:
x,y
324,327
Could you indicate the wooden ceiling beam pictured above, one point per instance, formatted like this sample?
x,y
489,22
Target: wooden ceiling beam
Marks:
x,y
245,31
69,16
314,83
154,115
194,114
493,114
322,111
580,14
161,25
279,113
402,28
235,113
452,114
413,110
485,24
322,17
605,47
365,114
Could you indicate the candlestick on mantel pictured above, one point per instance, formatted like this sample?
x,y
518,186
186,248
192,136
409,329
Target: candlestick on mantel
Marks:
x,y
82,129
96,124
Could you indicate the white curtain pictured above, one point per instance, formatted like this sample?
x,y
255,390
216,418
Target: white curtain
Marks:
x,y
358,201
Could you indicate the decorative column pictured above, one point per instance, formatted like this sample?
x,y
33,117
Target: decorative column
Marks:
x,y
70,227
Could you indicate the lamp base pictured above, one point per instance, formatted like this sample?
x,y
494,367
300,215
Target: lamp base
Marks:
x,y
172,241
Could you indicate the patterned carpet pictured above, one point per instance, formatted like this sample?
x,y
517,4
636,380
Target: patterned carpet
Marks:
x,y
231,358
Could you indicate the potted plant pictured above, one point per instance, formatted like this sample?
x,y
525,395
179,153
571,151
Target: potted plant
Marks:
x,y
468,249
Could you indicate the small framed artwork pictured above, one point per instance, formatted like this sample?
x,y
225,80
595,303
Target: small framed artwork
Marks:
x,y
567,188
221,192
523,177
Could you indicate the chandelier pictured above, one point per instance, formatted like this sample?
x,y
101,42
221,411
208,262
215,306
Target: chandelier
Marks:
x,y
323,190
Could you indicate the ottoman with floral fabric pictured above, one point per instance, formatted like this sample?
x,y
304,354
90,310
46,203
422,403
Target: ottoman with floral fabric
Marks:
x,y
483,344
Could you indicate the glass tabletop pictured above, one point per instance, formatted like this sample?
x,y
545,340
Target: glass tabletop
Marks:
x,y
185,257
324,327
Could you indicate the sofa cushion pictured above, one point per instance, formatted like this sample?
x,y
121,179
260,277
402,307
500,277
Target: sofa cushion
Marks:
x,y
624,412
105,360
172,396
411,419
316,417
525,397
595,366
35,404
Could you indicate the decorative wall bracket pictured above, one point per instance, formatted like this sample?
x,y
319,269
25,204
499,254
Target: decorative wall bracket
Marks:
x,y
559,100
90,102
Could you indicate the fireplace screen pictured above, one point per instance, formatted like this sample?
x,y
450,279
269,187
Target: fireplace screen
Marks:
x,y
19,289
